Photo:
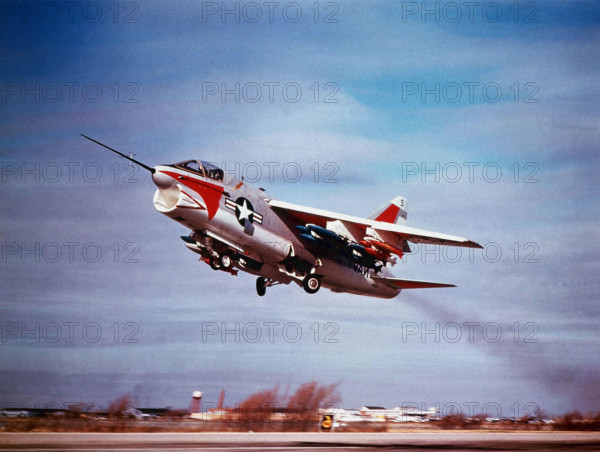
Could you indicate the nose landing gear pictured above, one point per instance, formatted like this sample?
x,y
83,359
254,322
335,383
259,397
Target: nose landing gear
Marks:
x,y
261,288
262,284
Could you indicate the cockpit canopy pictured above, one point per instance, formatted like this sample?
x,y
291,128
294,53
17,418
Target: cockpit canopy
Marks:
x,y
204,169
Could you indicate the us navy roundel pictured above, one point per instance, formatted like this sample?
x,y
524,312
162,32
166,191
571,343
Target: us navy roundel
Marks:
x,y
244,211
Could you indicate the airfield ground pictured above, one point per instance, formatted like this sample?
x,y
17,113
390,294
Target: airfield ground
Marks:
x,y
456,440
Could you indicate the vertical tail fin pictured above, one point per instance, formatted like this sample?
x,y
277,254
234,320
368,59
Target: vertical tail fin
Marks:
x,y
393,212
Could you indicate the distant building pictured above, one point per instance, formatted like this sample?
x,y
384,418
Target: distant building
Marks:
x,y
369,413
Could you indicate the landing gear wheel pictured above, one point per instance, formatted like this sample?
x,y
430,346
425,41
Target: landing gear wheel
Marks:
x,y
214,263
311,284
225,261
261,289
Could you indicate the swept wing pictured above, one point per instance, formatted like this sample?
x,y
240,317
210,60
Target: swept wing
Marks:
x,y
320,217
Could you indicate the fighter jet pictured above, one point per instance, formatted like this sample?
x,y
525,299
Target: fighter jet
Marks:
x,y
235,226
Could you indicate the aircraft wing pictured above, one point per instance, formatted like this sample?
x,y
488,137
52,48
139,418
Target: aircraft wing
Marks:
x,y
319,217
409,283
402,233
422,236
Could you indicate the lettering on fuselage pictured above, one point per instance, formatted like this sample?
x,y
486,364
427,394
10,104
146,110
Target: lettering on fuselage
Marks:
x,y
354,264
358,268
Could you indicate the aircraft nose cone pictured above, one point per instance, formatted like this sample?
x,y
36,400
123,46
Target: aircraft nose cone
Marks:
x,y
162,180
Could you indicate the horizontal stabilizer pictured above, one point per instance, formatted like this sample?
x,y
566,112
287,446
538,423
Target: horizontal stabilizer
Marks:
x,y
409,283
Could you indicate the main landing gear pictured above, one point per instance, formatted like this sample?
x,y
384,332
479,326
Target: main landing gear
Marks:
x,y
311,283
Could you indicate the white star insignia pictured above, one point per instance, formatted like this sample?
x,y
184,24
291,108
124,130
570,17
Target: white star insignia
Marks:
x,y
244,212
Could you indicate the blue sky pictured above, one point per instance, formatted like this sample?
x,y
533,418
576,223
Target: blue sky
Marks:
x,y
142,87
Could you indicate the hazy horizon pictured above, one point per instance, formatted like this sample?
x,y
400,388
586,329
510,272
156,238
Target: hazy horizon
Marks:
x,y
486,123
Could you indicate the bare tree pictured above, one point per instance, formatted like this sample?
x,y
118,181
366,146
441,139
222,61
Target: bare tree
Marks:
x,y
74,411
118,408
304,404
260,405
301,408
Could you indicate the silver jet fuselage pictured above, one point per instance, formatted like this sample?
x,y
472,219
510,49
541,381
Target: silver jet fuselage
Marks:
x,y
217,209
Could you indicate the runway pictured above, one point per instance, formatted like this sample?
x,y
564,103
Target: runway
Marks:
x,y
183,442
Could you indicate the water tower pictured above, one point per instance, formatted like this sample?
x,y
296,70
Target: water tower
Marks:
x,y
196,404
